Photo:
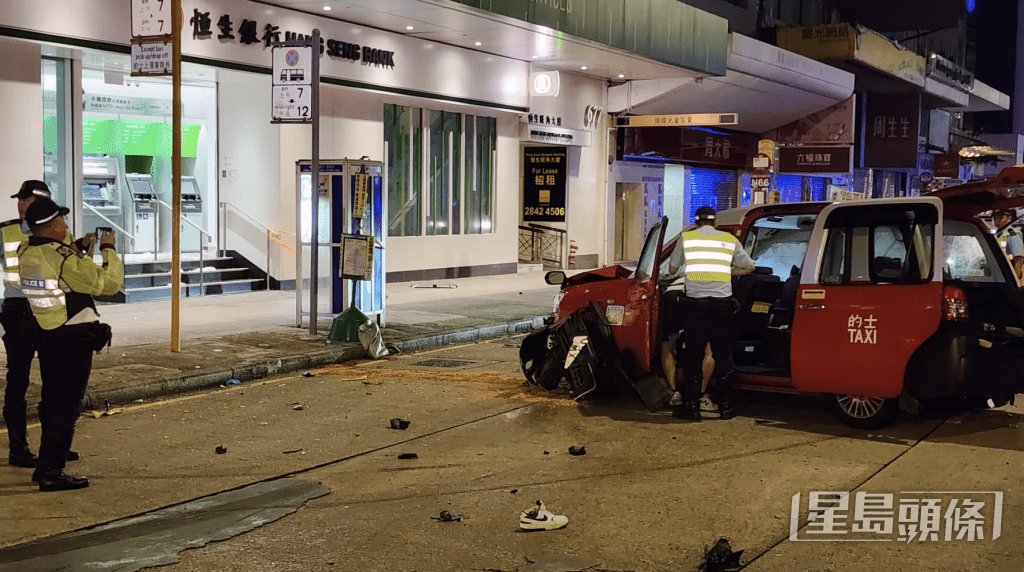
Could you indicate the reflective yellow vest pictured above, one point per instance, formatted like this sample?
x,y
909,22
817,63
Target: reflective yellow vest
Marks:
x,y
13,235
708,257
59,282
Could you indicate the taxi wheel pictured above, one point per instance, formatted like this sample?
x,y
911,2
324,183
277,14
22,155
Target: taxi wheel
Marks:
x,y
865,412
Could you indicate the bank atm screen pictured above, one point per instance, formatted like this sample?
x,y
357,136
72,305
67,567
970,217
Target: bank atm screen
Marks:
x,y
141,186
190,187
92,192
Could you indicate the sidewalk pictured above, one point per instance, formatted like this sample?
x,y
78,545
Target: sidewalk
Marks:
x,y
253,335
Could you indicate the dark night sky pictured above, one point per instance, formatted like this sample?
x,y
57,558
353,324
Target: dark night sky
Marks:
x,y
993,27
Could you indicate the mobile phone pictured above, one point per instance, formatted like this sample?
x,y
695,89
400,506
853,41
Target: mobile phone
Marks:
x,y
102,229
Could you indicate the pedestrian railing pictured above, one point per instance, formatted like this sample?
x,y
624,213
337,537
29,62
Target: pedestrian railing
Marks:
x,y
542,244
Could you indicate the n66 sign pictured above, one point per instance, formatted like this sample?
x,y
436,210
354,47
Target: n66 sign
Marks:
x,y
760,182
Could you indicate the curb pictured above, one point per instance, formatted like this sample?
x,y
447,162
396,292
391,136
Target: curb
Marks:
x,y
288,364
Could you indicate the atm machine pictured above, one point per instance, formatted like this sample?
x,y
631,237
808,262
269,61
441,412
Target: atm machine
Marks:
x,y
144,212
101,194
191,210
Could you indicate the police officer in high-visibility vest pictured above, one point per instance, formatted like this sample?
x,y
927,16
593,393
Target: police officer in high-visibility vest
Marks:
x,y
19,327
59,282
708,258
1009,239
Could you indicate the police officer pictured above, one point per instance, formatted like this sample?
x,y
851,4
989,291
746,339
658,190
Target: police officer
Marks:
x,y
19,327
59,282
1010,240
708,258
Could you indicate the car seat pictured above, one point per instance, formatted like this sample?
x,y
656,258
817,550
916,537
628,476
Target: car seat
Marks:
x,y
780,320
755,293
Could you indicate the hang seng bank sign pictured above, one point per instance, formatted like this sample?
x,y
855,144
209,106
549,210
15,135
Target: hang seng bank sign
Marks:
x,y
224,28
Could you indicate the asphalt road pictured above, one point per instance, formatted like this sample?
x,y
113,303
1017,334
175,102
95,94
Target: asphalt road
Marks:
x,y
652,493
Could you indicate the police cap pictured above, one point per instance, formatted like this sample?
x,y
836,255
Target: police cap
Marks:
x,y
706,214
42,211
32,188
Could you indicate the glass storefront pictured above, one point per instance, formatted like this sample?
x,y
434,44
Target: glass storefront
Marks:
x,y
125,158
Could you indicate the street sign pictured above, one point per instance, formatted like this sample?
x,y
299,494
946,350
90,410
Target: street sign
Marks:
x,y
684,120
544,84
292,65
152,58
292,103
760,182
151,18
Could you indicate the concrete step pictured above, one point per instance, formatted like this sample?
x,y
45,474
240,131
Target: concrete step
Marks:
x,y
163,292
530,267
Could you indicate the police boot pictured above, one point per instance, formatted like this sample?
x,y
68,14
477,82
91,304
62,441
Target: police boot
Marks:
x,y
690,409
724,385
20,454
55,447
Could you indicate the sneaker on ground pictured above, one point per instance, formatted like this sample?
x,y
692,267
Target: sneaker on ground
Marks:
x,y
707,405
677,399
538,518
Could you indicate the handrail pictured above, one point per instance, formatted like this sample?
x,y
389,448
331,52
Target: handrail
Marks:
x,y
170,208
272,233
202,264
551,228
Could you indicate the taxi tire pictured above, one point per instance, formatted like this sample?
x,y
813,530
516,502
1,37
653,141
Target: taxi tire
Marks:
x,y
882,416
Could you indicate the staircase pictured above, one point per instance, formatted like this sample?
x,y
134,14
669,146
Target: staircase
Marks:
x,y
151,280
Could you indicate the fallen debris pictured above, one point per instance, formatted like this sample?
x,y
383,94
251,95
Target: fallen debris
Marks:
x,y
293,451
513,491
98,414
721,558
539,518
400,424
232,382
308,374
576,451
408,456
298,407
446,516
221,449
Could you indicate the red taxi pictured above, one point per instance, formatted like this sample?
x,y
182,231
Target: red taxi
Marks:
x,y
872,303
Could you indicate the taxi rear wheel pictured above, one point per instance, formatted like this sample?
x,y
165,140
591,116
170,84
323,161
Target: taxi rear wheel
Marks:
x,y
865,412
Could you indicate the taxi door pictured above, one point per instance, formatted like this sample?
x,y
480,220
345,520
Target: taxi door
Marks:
x,y
870,294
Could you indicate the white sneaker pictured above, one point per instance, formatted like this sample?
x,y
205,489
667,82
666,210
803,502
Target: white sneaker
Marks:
x,y
677,399
538,518
707,405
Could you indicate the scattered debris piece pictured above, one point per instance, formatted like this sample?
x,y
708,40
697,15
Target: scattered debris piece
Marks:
x,y
577,451
98,414
232,381
539,518
398,423
721,558
292,451
766,422
513,491
546,453
264,423
298,407
221,449
366,381
218,350
408,456
308,374
446,516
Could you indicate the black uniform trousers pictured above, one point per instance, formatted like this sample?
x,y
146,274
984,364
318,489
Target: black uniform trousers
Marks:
x,y
65,362
707,320
20,334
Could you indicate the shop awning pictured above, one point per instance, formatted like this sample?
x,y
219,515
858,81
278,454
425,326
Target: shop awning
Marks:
x,y
767,86
984,98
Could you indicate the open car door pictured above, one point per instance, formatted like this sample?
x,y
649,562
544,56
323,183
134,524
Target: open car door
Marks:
x,y
870,293
964,202
639,316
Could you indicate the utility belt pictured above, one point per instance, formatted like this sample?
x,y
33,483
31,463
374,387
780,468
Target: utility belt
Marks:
x,y
92,335
15,304
723,306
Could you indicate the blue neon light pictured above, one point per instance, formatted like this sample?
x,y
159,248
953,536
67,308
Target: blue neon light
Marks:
x,y
970,6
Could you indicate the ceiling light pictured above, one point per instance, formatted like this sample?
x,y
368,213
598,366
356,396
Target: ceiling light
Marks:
x,y
408,28
478,44
535,57
583,68
327,8
622,75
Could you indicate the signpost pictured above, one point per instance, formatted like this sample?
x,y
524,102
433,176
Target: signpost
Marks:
x,y
683,120
296,99
156,50
761,178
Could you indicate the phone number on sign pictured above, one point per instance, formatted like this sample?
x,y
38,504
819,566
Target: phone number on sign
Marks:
x,y
542,211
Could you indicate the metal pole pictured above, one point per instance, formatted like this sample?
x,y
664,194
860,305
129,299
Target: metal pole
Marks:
x,y
315,174
176,24
268,261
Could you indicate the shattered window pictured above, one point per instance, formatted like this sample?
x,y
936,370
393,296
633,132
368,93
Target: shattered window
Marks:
x,y
966,257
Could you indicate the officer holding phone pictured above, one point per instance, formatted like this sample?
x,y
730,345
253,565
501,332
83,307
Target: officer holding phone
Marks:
x,y
59,281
